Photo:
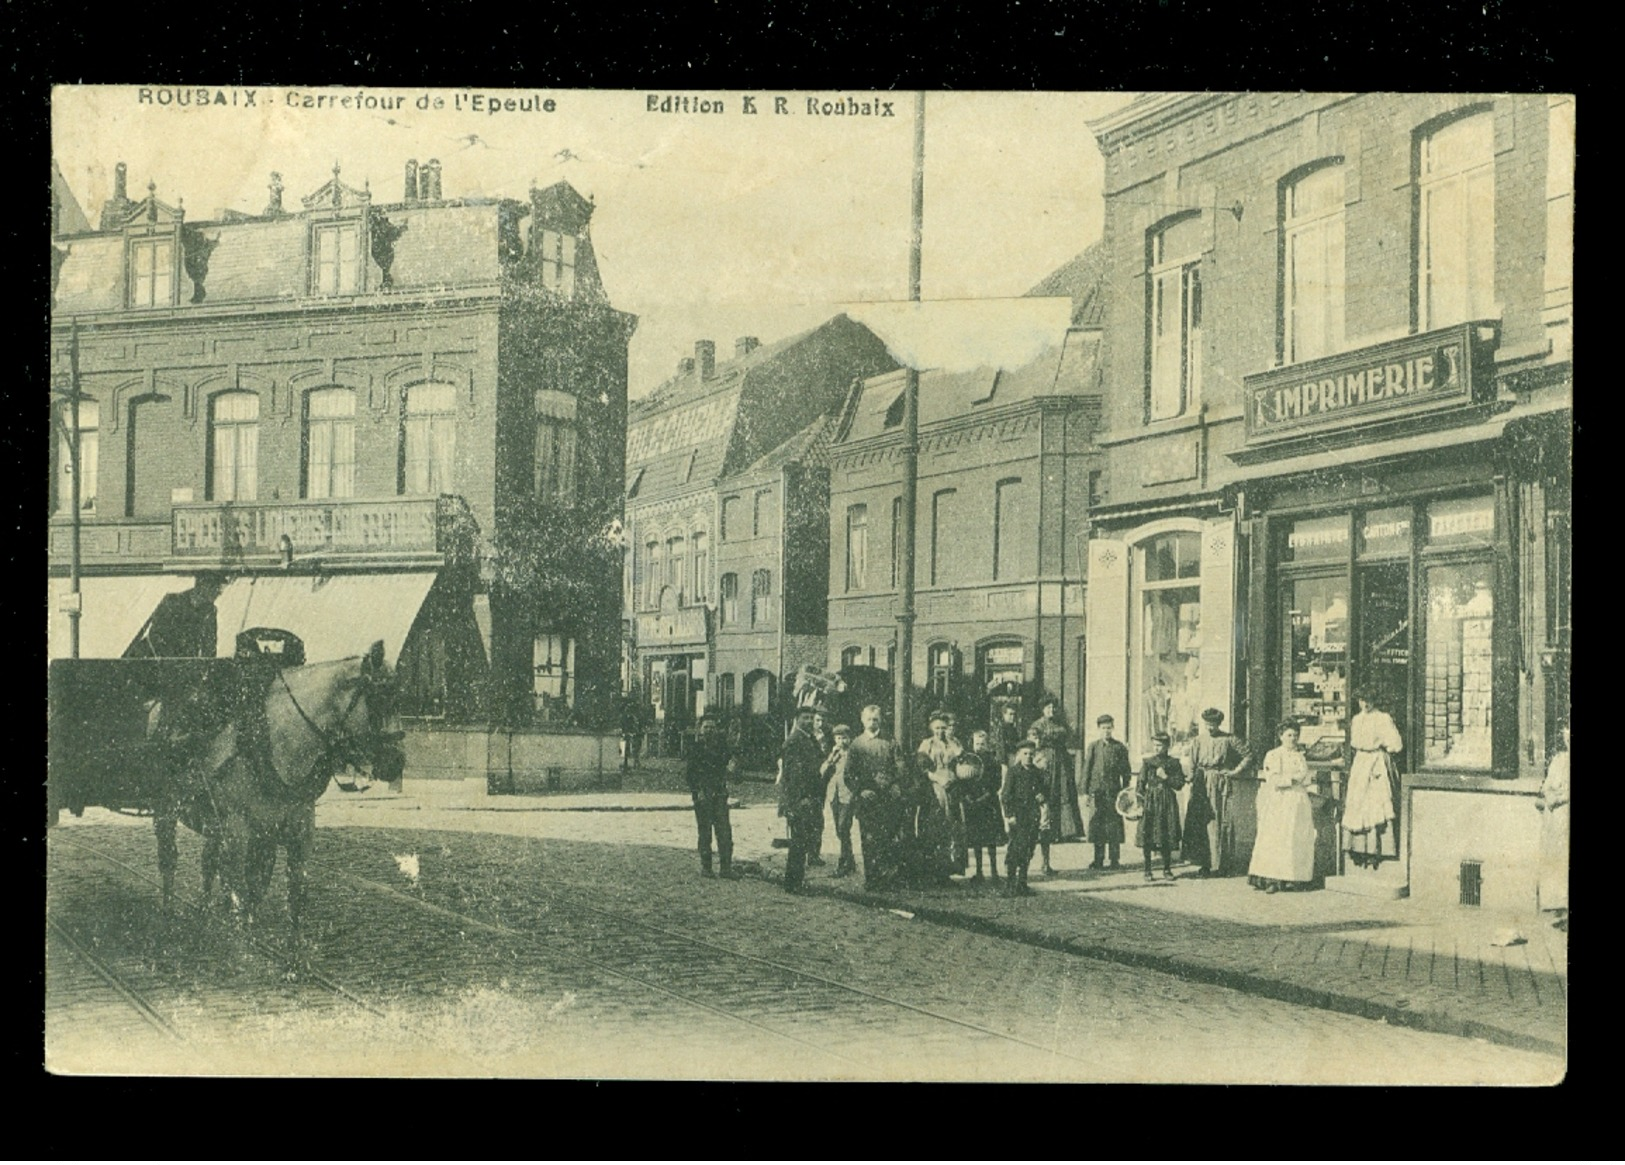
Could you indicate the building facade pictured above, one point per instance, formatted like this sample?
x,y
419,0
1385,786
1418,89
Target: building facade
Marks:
x,y
1339,384
379,419
1005,468
727,503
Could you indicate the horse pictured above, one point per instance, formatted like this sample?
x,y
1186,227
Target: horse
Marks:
x,y
250,792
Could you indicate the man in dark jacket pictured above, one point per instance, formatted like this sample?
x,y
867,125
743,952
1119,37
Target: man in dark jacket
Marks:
x,y
1106,773
801,795
875,770
708,763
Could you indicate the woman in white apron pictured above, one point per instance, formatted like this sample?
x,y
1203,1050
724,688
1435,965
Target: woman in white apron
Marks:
x,y
1368,802
1284,852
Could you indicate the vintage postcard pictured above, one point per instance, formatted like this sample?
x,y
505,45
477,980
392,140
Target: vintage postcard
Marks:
x,y
851,585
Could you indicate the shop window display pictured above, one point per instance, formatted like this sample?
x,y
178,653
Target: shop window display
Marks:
x,y
1456,713
1318,624
1170,639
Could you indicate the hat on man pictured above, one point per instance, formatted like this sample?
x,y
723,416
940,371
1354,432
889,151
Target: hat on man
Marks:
x,y
1028,745
1213,716
1103,718
1161,738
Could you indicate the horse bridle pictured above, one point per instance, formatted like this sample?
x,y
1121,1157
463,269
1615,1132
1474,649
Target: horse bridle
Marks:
x,y
343,750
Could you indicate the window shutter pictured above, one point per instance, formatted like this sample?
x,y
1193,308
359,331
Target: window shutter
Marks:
x,y
1107,621
1218,615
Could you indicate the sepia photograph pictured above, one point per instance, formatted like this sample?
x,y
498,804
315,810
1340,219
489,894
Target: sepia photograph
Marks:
x,y
786,585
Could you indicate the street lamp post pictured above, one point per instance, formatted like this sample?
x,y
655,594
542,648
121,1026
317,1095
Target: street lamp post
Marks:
x,y
74,604
903,678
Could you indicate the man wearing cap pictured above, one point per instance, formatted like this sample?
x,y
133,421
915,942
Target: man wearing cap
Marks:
x,y
1022,794
875,771
839,799
1161,778
1106,773
707,772
1216,757
801,794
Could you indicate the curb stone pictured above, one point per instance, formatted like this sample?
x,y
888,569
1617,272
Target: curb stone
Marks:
x,y
1439,1019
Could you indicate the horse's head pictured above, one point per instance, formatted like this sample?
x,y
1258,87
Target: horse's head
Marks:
x,y
327,717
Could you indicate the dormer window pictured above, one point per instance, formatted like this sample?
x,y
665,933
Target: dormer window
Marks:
x,y
152,272
557,261
336,258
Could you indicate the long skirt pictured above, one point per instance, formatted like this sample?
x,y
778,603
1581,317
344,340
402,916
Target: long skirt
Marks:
x,y
1198,815
1065,817
983,822
936,853
1553,886
1285,848
1368,805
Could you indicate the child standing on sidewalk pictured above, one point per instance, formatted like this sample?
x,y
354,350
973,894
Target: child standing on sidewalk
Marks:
x,y
1161,778
1023,797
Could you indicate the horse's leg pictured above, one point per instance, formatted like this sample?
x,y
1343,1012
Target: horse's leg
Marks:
x,y
259,863
211,862
298,844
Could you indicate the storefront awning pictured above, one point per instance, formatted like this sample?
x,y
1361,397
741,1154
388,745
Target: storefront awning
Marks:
x,y
114,611
336,616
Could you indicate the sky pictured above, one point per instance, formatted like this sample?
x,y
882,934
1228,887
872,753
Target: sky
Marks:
x,y
708,225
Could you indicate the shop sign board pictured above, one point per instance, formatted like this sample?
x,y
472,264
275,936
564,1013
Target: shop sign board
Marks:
x,y
681,625
1425,373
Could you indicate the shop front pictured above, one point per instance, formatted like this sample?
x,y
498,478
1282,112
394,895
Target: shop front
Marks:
x,y
673,653
1390,519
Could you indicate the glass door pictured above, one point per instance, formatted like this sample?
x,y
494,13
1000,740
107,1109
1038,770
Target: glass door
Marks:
x,y
1315,639
1385,642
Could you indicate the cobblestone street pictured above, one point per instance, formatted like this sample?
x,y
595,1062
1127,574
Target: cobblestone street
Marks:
x,y
516,940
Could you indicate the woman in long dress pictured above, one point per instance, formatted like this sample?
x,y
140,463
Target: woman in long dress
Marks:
x,y
1553,802
1284,853
1368,803
939,850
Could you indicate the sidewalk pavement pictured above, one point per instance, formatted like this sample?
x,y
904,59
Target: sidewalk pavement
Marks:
x,y
1401,962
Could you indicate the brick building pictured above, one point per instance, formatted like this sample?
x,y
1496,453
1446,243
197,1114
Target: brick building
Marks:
x,y
1006,463
381,418
727,503
1338,385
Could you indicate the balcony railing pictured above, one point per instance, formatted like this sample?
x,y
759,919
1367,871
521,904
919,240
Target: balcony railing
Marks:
x,y
232,531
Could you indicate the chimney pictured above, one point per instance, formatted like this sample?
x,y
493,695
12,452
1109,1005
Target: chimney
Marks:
x,y
430,183
685,366
120,173
412,180
705,358
273,205
745,345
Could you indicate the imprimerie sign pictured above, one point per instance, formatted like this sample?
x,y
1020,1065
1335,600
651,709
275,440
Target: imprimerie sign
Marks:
x,y
1423,373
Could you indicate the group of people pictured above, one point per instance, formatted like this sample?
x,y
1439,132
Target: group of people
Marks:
x,y
947,808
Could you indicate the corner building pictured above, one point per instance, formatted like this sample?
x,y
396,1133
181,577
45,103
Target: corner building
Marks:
x,y
381,418
1339,415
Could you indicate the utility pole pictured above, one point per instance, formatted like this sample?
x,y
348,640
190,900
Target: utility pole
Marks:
x,y
75,603
903,678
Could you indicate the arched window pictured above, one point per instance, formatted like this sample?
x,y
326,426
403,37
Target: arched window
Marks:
x,y
429,439
1312,264
89,454
855,656
676,559
1174,318
941,670
235,447
655,575
330,443
761,599
702,566
730,600
1455,205
1015,533
1001,662
857,546
758,693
